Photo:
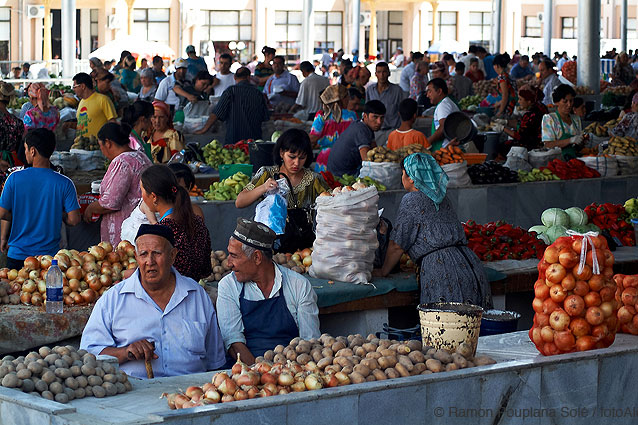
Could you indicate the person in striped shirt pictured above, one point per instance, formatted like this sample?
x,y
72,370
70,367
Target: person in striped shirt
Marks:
x,y
242,107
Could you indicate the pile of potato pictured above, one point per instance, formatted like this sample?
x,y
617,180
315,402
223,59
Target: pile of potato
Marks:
x,y
410,149
382,154
583,90
484,87
6,295
219,263
373,359
62,374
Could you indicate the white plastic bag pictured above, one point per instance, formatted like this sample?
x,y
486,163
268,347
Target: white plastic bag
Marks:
x,y
66,160
193,124
540,158
627,165
89,160
457,174
517,159
273,209
346,236
131,225
605,165
386,173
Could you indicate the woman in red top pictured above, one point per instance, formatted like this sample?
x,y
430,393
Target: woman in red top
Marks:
x,y
506,87
163,195
529,131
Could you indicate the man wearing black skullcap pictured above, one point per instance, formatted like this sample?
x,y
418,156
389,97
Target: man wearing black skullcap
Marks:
x,y
260,303
156,315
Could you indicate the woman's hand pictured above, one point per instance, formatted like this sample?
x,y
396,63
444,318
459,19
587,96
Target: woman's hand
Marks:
x,y
378,273
269,185
90,211
150,215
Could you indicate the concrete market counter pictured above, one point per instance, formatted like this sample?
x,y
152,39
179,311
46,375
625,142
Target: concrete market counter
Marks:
x,y
523,387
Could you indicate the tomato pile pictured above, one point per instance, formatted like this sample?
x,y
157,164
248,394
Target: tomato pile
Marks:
x,y
575,310
570,170
611,217
627,299
501,241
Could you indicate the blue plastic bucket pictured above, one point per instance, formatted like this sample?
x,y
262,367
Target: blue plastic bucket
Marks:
x,y
496,322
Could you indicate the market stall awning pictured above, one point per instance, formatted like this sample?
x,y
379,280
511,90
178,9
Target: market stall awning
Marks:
x,y
135,45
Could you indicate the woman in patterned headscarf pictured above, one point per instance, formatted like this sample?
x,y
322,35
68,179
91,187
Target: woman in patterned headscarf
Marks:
x,y
428,230
11,129
43,114
165,141
330,122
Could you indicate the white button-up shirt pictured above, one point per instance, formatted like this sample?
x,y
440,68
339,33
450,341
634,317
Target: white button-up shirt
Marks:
x,y
301,301
284,82
165,91
186,335
310,90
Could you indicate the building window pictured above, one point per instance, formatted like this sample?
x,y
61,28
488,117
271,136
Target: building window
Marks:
x,y
446,25
288,34
532,27
152,24
94,29
568,26
393,37
5,37
223,28
328,27
480,30
631,28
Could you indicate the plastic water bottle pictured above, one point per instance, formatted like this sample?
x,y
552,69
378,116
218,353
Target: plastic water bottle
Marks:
x,y
178,157
54,288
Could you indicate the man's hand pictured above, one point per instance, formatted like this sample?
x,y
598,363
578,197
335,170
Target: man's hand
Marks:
x,y
4,246
192,98
141,350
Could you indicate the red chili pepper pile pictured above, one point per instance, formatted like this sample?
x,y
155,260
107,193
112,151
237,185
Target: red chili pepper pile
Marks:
x,y
501,241
572,169
611,217
242,144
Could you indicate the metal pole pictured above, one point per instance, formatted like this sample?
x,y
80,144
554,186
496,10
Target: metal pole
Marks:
x,y
308,31
498,10
589,44
356,25
547,27
623,26
68,38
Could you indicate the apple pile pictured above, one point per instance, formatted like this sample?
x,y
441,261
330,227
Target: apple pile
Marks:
x,y
627,298
575,309
87,275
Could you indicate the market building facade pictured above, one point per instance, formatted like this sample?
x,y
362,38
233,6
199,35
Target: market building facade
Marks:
x,y
246,25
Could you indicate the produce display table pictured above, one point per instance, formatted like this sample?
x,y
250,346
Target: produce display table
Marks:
x,y
23,327
588,387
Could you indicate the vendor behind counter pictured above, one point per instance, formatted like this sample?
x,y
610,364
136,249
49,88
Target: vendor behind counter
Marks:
x,y
563,128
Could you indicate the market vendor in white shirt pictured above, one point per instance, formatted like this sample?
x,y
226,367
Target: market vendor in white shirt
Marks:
x,y
437,92
282,86
261,304
156,315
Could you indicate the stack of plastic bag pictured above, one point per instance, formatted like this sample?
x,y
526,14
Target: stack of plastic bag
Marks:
x,y
346,236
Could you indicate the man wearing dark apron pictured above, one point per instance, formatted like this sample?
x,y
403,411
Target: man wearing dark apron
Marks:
x,y
261,305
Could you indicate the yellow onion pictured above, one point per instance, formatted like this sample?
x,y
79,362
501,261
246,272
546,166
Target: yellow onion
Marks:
x,y
283,391
271,387
227,398
240,395
343,378
262,367
208,386
108,248
263,393
252,392
188,404
267,378
192,391
298,386
330,380
227,387
313,382
219,378
213,396
179,400
285,379
171,399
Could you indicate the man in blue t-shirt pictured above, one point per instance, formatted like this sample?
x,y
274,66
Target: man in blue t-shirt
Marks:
x,y
522,70
34,203
351,148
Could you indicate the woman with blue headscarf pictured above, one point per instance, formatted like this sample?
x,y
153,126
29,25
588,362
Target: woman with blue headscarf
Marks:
x,y
428,230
